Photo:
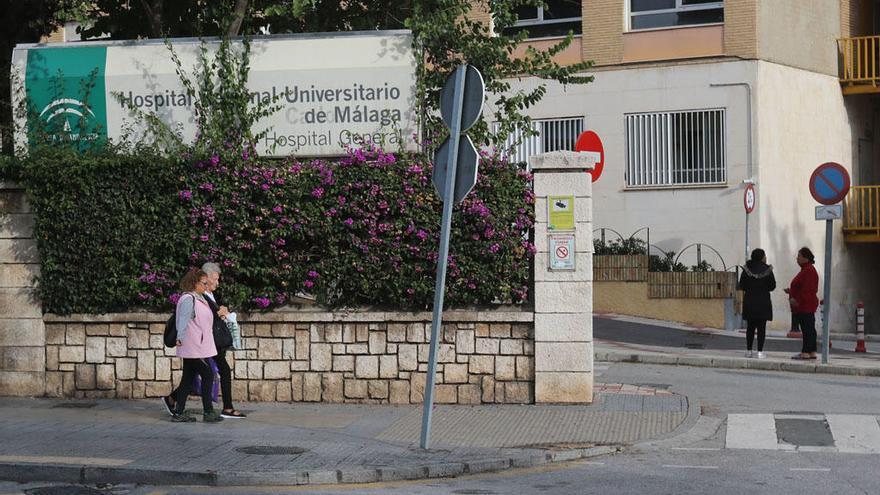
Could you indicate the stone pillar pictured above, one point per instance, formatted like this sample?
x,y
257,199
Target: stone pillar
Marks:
x,y
22,334
564,297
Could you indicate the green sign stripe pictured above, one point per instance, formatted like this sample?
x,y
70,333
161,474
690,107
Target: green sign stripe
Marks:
x,y
66,87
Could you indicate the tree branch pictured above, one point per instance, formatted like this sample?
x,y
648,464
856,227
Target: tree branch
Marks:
x,y
237,17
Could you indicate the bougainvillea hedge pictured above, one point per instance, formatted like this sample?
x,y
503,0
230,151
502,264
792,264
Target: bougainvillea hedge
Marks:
x,y
117,229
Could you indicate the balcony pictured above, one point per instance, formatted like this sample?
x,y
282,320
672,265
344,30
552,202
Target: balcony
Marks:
x,y
859,64
861,214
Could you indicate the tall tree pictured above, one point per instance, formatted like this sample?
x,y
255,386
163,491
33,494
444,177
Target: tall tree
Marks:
x,y
22,22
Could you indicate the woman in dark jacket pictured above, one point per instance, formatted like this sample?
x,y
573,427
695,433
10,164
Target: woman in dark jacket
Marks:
x,y
804,300
758,282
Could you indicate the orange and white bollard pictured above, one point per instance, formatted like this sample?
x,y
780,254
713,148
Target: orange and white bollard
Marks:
x,y
860,328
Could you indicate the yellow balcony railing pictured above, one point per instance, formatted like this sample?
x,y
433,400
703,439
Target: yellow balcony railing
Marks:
x,y
860,64
861,214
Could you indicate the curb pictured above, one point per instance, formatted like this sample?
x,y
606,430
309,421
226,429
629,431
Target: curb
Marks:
x,y
732,363
27,472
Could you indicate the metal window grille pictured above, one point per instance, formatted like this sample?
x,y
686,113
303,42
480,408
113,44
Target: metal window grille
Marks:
x,y
676,148
552,135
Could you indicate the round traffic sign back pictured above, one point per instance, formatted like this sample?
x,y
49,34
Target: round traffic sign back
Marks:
x,y
472,100
589,141
829,183
749,198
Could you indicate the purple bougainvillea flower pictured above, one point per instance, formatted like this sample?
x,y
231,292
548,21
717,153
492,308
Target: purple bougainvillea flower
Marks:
x,y
203,237
318,192
308,284
313,274
348,221
185,195
494,248
278,209
173,298
421,234
215,160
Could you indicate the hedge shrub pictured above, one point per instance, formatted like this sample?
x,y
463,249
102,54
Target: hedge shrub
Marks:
x,y
116,229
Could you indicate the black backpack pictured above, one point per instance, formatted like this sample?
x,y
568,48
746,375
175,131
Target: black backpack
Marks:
x,y
170,335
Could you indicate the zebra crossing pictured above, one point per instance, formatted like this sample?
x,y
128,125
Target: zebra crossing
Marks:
x,y
804,432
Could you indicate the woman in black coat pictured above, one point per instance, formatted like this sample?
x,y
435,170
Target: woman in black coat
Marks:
x,y
757,281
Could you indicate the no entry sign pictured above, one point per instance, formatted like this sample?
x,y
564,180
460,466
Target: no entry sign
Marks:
x,y
589,141
829,183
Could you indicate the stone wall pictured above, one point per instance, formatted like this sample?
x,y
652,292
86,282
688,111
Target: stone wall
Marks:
x,y
22,344
305,356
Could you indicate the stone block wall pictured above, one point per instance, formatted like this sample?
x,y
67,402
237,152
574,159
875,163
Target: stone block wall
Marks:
x,y
22,344
361,357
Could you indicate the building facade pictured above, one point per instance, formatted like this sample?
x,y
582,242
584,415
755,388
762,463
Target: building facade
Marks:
x,y
693,99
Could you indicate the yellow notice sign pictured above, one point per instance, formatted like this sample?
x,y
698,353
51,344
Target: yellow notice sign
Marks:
x,y
560,212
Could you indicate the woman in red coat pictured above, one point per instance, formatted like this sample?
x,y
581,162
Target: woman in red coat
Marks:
x,y
804,301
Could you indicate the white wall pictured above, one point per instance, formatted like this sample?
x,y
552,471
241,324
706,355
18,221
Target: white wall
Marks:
x,y
800,121
677,216
804,121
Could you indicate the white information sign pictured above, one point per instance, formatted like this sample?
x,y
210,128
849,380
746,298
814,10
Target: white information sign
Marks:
x,y
829,212
334,89
562,252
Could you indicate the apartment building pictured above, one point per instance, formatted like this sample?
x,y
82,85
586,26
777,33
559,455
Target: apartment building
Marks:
x,y
694,98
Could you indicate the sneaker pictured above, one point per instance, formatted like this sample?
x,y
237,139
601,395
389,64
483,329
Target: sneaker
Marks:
x,y
234,414
761,355
182,418
212,417
749,354
169,406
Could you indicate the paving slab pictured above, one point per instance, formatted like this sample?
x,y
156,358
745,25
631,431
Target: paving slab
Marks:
x,y
131,441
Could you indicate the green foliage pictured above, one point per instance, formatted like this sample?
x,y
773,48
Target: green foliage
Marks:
x,y
99,214
665,263
118,224
631,245
447,34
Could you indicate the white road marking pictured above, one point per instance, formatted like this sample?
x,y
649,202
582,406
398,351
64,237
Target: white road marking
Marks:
x,y
697,448
820,470
751,431
678,466
855,433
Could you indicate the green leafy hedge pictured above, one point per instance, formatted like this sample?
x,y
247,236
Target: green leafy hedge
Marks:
x,y
116,229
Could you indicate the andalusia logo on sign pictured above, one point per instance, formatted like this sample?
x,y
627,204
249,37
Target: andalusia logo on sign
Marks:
x,y
66,86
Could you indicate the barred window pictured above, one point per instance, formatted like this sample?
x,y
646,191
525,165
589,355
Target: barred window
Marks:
x,y
676,148
552,135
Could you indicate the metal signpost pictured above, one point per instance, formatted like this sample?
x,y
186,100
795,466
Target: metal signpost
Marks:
x,y
455,174
749,199
828,185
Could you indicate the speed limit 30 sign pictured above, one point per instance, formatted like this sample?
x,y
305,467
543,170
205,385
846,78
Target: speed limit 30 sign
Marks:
x,y
749,198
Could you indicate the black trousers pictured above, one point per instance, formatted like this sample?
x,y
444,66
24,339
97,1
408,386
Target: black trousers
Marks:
x,y
761,327
192,367
807,323
225,379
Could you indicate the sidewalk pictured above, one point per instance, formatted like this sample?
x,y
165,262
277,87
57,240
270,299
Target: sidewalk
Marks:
x,y
625,339
117,441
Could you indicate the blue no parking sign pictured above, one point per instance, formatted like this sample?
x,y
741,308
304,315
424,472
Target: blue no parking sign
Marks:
x,y
829,183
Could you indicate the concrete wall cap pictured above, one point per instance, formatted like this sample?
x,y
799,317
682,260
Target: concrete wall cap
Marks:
x,y
562,160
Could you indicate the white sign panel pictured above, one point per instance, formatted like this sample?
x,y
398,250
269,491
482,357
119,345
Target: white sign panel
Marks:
x,y
562,252
334,89
829,212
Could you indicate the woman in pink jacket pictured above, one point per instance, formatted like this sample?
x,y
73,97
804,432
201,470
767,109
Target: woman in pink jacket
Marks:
x,y
195,344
